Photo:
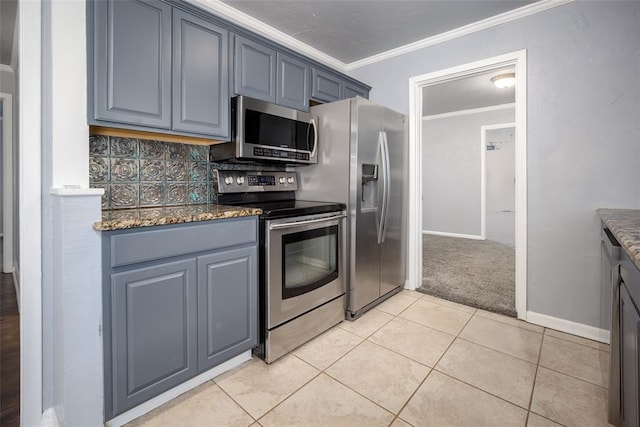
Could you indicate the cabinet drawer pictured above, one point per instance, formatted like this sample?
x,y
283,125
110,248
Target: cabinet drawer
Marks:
x,y
130,247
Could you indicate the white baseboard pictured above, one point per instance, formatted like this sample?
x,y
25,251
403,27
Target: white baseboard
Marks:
x,y
50,418
573,328
459,235
163,398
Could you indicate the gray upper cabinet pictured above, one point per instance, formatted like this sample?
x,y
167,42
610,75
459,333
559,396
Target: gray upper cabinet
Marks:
x,y
351,90
227,305
293,82
200,76
132,62
153,312
254,70
326,87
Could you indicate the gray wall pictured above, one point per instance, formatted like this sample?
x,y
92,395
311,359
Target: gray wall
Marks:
x,y
583,96
451,188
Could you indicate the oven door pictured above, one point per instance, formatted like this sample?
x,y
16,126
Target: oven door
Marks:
x,y
304,264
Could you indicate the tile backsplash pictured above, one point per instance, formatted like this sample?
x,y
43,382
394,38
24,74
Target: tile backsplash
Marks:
x,y
146,173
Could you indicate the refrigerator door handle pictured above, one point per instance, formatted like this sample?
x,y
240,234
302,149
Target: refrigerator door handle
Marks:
x,y
384,173
387,184
385,187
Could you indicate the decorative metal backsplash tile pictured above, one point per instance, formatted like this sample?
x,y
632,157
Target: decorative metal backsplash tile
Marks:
x,y
146,173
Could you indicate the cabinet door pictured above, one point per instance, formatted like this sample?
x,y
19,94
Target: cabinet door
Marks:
x,y
351,90
153,312
132,53
293,83
326,87
255,70
200,76
227,305
630,359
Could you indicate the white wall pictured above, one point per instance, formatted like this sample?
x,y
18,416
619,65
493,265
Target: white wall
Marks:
x,y
451,171
582,139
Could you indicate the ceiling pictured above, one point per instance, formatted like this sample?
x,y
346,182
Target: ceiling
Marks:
x,y
8,9
463,94
351,30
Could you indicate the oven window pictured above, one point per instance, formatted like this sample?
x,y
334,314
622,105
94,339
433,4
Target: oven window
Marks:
x,y
309,260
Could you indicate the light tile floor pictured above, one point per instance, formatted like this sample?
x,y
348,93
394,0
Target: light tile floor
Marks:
x,y
414,360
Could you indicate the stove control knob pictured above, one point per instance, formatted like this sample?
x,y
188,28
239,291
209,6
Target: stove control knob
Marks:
x,y
228,180
290,180
240,180
282,180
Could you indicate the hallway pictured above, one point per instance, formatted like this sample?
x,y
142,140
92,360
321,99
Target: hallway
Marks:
x,y
9,354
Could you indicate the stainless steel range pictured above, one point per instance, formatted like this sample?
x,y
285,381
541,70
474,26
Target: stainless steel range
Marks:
x,y
302,258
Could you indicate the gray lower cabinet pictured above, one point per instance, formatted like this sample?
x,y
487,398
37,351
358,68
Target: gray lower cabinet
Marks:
x,y
254,72
293,82
227,305
132,62
169,313
629,344
153,312
200,76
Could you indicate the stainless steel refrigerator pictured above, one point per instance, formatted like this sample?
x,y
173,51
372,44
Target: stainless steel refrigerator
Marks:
x,y
362,162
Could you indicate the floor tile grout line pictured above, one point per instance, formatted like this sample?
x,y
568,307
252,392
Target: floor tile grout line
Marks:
x,y
475,309
576,343
498,351
328,375
432,369
480,389
213,380
480,310
294,391
569,375
535,377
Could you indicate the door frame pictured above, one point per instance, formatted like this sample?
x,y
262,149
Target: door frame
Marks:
x,y
518,60
7,182
483,172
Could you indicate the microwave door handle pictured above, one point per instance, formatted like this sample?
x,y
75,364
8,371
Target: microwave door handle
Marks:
x,y
313,123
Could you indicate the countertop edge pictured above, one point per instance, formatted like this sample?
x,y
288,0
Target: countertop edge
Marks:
x,y
131,223
625,226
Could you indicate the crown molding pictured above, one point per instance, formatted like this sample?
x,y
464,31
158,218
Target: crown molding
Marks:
x,y
461,31
6,68
242,19
470,111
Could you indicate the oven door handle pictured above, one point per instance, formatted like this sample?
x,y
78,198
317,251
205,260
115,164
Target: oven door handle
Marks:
x,y
306,222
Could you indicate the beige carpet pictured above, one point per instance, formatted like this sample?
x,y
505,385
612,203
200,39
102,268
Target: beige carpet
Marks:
x,y
479,273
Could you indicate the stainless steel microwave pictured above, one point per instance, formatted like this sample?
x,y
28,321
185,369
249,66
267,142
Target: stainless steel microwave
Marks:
x,y
266,132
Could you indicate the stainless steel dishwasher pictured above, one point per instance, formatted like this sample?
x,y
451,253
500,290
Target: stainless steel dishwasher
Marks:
x,y
609,315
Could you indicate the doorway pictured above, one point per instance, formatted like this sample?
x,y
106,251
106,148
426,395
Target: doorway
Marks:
x,y
516,60
6,174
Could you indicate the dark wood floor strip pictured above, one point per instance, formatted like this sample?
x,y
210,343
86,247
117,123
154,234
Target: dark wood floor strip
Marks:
x,y
9,354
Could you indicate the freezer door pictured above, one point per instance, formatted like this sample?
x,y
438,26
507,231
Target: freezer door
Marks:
x,y
393,248
365,202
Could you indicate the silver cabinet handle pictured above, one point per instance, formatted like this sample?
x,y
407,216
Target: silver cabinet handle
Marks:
x,y
306,222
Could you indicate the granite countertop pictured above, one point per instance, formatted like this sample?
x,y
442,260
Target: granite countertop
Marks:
x,y
121,219
625,226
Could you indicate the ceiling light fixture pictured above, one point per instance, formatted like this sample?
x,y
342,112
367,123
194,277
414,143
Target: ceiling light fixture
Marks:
x,y
504,80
